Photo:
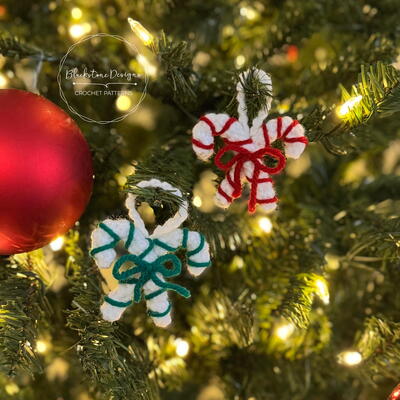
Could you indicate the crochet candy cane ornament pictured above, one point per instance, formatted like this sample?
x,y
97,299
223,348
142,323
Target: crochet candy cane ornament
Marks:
x,y
149,255
249,144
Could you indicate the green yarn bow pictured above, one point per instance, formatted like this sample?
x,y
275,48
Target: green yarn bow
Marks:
x,y
148,272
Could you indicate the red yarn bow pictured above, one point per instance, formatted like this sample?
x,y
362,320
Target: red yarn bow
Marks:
x,y
246,150
241,156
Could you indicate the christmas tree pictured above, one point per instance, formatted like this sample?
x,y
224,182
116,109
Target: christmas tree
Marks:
x,y
299,303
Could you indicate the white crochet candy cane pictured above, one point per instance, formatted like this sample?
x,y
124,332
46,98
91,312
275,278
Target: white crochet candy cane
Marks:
x,y
249,145
148,253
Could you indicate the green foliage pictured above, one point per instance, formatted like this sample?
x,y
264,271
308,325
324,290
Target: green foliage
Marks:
x,y
379,87
22,305
257,94
11,46
337,219
113,361
176,61
222,321
379,343
297,302
376,94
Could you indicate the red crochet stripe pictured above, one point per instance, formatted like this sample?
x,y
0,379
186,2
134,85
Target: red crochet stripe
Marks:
x,y
283,135
202,145
239,142
301,139
279,127
223,194
289,128
214,132
260,180
266,135
251,206
229,179
267,201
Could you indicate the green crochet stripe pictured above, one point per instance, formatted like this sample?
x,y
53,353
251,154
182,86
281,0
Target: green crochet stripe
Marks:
x,y
148,250
163,245
117,303
109,231
199,265
199,247
185,237
108,246
157,314
130,235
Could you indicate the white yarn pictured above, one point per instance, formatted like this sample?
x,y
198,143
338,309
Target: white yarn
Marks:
x,y
239,131
170,234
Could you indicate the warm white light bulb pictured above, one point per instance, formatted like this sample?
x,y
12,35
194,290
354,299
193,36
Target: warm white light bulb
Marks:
x,y
265,224
346,107
350,358
3,81
144,35
123,103
284,331
41,346
11,388
76,13
181,347
248,12
332,261
197,201
57,243
322,290
240,60
76,31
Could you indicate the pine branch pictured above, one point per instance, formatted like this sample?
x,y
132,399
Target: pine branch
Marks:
x,y
174,167
13,47
22,305
176,62
379,86
378,243
222,321
297,303
380,346
376,94
226,234
383,188
171,371
114,363
257,94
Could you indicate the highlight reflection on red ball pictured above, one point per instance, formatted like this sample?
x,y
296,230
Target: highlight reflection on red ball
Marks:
x,y
46,174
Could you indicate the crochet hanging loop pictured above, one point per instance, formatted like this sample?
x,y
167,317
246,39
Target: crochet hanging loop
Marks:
x,y
148,272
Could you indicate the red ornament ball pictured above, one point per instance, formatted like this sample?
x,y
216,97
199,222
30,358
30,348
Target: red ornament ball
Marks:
x,y
46,174
395,395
